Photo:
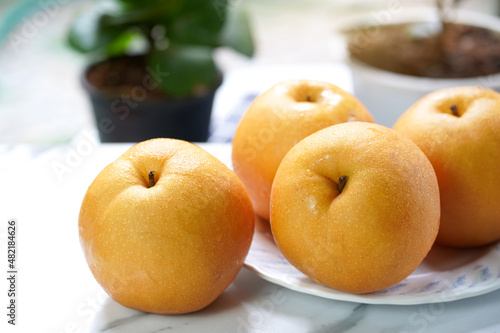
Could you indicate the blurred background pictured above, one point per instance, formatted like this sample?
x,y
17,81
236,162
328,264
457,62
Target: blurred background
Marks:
x,y
41,99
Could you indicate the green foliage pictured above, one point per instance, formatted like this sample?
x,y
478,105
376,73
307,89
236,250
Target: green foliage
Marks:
x,y
177,35
190,67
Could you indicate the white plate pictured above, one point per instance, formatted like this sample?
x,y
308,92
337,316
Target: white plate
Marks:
x,y
445,275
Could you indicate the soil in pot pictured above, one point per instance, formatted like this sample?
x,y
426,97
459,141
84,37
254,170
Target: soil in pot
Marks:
x,y
120,75
427,50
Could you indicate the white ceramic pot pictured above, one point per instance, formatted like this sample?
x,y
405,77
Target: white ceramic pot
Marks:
x,y
386,94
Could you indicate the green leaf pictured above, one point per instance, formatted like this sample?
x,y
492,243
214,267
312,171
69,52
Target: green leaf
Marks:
x,y
237,33
191,69
198,22
146,14
89,31
149,3
131,40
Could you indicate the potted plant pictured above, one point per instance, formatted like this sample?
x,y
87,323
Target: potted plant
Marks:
x,y
411,52
153,72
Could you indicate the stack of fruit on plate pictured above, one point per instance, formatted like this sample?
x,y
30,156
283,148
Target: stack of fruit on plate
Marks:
x,y
353,205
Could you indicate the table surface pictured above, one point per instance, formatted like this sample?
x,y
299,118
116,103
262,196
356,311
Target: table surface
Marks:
x,y
57,292
43,185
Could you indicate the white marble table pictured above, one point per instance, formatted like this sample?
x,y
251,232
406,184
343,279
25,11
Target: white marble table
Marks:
x,y
58,294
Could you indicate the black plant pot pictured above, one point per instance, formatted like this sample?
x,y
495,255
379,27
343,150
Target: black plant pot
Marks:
x,y
134,117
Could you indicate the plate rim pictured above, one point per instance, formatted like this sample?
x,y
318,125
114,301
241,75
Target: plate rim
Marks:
x,y
477,290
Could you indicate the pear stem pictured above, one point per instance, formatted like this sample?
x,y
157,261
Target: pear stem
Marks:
x,y
454,110
342,182
308,98
151,179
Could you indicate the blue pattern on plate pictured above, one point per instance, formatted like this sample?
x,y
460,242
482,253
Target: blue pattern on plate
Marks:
x,y
429,287
485,274
460,281
473,278
393,289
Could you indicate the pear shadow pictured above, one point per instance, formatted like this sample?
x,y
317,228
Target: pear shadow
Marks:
x,y
114,317
443,258
263,227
